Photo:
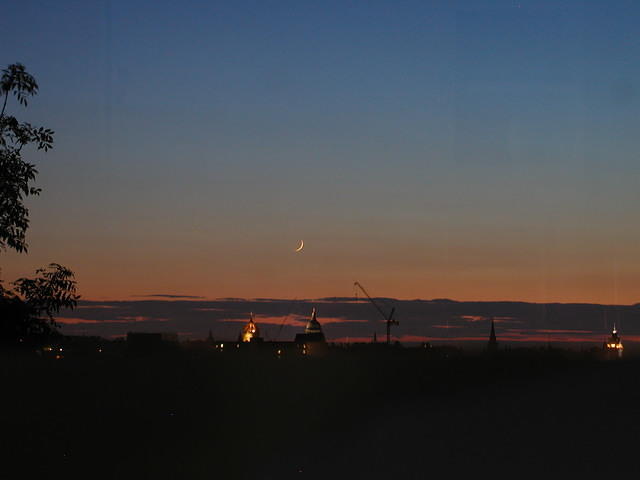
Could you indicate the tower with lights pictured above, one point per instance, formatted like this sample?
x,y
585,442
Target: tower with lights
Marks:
x,y
613,345
250,332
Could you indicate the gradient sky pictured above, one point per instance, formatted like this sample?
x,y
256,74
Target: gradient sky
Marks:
x,y
469,150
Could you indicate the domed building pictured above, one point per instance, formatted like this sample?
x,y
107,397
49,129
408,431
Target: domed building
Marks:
x,y
312,341
313,326
250,332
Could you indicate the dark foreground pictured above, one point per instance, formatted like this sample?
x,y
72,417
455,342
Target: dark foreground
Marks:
x,y
410,414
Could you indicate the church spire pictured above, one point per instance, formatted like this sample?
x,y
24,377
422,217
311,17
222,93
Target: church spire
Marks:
x,y
492,346
613,345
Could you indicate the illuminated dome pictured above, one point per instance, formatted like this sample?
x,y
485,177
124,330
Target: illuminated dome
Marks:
x,y
250,331
312,341
313,326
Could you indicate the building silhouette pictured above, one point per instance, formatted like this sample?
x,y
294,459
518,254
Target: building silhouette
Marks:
x,y
312,341
149,342
492,345
613,345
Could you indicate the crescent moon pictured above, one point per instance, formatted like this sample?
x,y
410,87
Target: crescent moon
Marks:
x,y
301,246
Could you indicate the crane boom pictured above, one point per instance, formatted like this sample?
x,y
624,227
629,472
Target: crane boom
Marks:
x,y
388,319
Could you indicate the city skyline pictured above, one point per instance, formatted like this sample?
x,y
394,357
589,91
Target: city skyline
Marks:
x,y
354,319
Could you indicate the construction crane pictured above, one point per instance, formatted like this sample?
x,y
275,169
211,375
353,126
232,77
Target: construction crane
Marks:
x,y
284,320
387,318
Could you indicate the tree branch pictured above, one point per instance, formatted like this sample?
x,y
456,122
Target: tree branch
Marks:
x,y
4,105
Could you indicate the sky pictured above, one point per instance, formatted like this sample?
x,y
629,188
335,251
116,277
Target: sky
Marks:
x,y
466,150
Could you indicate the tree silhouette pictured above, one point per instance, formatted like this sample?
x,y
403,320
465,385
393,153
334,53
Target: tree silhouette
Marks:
x,y
27,310
17,175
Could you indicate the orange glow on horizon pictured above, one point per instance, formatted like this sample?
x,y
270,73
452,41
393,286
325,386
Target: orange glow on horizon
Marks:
x,y
402,269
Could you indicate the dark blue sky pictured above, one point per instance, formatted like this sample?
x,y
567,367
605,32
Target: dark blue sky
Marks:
x,y
473,150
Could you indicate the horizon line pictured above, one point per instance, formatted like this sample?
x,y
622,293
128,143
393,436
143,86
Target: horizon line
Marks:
x,y
331,299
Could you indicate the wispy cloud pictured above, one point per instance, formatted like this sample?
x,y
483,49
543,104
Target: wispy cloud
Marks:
x,y
75,321
294,320
121,319
140,318
96,307
266,320
166,295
